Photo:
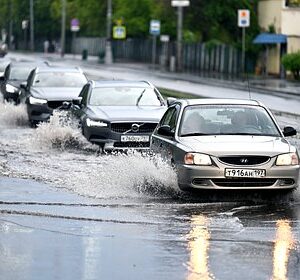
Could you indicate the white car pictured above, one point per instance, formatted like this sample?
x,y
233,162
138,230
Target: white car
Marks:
x,y
226,144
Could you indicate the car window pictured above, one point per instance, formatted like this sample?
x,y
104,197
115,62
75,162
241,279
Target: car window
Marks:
x,y
124,96
227,119
59,79
169,118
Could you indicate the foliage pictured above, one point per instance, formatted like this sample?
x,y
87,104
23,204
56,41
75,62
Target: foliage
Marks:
x,y
291,62
203,20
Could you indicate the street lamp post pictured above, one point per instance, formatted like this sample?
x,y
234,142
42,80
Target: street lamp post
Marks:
x,y
108,51
179,4
179,38
31,26
63,27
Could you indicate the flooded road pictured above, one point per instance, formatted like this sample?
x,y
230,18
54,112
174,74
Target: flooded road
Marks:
x,y
67,212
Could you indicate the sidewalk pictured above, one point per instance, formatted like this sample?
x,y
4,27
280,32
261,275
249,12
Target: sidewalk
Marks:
x,y
272,85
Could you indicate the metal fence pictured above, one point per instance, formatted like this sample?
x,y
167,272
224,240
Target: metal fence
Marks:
x,y
199,58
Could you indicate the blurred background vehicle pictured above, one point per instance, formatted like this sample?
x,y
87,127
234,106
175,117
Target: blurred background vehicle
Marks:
x,y
15,74
3,49
48,87
119,114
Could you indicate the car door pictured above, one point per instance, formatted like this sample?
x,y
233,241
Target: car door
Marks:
x,y
162,142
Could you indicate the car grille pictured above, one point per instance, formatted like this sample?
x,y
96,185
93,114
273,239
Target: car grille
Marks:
x,y
131,145
244,182
55,104
244,160
124,127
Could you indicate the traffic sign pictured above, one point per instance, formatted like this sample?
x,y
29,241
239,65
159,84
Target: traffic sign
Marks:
x,y
154,27
180,3
243,18
24,24
119,32
164,38
75,25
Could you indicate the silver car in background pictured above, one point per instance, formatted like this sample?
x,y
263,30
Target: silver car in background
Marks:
x,y
226,144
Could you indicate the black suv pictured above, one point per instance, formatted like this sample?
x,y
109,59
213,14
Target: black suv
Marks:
x,y
47,89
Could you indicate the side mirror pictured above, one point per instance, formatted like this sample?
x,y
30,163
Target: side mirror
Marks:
x,y
165,130
2,78
289,131
66,105
77,102
23,85
170,101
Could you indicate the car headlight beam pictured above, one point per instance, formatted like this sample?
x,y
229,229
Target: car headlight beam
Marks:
x,y
287,159
37,101
197,159
11,89
97,123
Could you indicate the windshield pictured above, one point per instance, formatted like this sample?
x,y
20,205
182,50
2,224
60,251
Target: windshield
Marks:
x,y
124,96
19,73
227,120
59,79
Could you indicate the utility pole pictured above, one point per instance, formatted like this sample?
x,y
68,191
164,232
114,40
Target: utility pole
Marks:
x,y
63,27
31,26
179,38
10,26
108,51
179,4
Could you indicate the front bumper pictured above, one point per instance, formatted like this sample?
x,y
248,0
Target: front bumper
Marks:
x,y
213,177
38,113
11,95
111,140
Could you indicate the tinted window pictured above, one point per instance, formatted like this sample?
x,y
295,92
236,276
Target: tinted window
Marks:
x,y
227,119
59,79
124,96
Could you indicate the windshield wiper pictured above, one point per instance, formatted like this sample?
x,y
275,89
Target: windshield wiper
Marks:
x,y
140,97
194,134
242,133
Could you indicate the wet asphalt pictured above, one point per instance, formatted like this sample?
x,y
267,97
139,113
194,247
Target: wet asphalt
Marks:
x,y
67,212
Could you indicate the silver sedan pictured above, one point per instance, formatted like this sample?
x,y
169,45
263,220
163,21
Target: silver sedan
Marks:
x,y
226,144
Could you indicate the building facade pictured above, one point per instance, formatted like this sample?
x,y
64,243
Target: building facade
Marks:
x,y
281,17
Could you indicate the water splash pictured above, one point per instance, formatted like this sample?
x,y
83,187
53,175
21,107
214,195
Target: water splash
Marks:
x,y
12,115
60,132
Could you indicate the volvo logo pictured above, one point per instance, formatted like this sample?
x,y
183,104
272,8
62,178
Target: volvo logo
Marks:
x,y
135,127
244,160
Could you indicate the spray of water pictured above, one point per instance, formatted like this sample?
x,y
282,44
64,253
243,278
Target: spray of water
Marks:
x,y
60,132
12,115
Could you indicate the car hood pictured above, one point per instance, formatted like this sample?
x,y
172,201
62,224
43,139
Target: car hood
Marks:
x,y
127,113
15,83
56,93
237,145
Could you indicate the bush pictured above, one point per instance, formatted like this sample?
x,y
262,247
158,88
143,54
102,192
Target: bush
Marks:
x,y
291,62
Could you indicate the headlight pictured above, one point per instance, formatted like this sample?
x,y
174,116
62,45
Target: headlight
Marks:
x,y
287,159
37,101
197,159
90,122
10,88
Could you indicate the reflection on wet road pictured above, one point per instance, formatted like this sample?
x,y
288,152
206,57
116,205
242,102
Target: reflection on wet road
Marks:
x,y
68,213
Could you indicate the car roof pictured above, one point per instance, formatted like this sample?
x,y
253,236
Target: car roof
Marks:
x,y
58,69
121,83
23,64
219,101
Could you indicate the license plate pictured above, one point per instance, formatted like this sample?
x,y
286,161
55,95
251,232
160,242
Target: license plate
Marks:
x,y
135,138
240,173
